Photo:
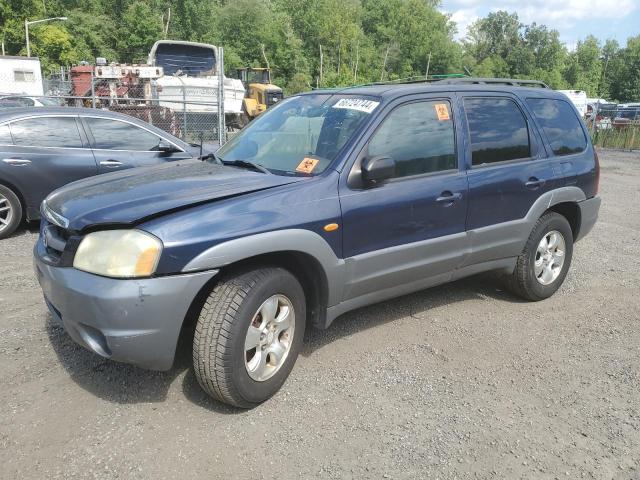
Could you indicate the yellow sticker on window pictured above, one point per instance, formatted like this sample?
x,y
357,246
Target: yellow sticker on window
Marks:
x,y
307,165
442,111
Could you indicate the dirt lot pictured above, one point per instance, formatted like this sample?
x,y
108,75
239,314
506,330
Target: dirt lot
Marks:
x,y
458,381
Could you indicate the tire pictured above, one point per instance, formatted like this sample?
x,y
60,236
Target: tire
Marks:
x,y
10,212
222,365
526,281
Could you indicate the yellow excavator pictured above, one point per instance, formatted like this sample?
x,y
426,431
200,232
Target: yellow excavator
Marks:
x,y
260,93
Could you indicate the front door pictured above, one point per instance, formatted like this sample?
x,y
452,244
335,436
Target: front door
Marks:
x,y
119,145
43,153
410,227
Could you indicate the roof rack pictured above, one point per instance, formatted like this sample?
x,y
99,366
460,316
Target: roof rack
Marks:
x,y
514,82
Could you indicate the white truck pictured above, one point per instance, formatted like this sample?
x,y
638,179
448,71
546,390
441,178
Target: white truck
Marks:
x,y
20,76
578,98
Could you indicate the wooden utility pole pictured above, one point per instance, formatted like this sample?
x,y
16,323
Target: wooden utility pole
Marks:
x,y
320,64
384,64
264,55
166,27
426,75
355,70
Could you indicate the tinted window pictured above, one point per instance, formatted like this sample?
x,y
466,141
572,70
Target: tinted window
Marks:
x,y
115,135
5,135
560,123
58,132
498,130
419,137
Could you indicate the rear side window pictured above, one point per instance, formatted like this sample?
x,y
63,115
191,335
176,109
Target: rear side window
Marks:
x,y
498,130
419,137
561,125
114,135
60,132
5,135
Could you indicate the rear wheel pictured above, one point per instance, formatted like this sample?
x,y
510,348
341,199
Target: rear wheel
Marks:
x,y
248,336
543,264
10,211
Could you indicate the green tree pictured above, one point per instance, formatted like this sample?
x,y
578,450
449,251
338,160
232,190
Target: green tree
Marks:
x,y
53,44
583,69
139,28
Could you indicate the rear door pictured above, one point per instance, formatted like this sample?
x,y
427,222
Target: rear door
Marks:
x,y
118,144
508,171
46,152
411,227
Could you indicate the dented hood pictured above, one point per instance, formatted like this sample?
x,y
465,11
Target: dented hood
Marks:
x,y
130,196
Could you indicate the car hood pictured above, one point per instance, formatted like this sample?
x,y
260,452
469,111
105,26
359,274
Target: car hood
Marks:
x,y
131,196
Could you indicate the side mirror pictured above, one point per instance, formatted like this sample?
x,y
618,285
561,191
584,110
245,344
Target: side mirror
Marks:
x,y
377,169
165,147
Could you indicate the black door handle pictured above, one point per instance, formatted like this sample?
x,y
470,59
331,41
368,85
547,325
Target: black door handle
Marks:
x,y
448,197
533,183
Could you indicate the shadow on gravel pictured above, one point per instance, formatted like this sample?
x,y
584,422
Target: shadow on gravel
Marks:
x,y
126,384
417,305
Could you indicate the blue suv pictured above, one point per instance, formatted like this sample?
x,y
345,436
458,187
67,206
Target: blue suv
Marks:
x,y
329,201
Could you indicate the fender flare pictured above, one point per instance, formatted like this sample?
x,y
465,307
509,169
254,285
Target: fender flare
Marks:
x,y
297,240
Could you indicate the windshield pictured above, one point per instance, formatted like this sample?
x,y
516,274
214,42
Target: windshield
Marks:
x,y
300,136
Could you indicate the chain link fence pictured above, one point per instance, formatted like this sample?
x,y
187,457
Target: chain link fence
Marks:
x,y
614,126
193,111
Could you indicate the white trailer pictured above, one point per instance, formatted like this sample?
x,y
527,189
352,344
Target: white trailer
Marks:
x,y
578,98
20,76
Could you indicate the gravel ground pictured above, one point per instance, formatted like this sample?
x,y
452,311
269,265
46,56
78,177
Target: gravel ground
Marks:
x,y
460,381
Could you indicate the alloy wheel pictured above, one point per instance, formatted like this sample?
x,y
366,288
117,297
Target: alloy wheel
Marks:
x,y
269,337
550,256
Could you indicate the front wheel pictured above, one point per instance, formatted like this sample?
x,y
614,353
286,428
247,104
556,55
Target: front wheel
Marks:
x,y
543,264
10,212
248,336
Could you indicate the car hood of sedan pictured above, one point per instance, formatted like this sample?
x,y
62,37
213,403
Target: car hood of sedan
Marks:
x,y
131,196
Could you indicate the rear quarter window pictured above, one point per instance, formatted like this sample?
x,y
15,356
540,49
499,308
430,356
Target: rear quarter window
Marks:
x,y
560,124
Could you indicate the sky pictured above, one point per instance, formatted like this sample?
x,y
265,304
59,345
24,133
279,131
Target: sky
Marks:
x,y
574,19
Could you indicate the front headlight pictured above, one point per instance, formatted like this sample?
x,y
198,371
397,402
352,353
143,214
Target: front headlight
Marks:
x,y
119,253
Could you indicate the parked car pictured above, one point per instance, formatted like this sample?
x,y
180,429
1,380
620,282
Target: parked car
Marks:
x,y
329,201
45,148
602,114
9,103
626,116
25,101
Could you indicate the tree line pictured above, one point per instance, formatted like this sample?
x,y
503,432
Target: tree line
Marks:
x,y
325,43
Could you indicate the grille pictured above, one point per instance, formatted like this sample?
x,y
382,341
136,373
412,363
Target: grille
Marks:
x,y
59,245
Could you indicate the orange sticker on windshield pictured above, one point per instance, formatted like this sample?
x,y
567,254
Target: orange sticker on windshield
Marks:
x,y
442,111
307,165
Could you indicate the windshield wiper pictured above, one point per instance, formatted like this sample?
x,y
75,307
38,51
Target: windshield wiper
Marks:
x,y
245,164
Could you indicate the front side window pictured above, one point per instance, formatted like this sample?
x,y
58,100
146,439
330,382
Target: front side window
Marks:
x,y
498,130
60,132
301,135
115,135
419,137
560,124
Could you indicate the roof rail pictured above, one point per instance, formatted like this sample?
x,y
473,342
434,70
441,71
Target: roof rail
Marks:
x,y
514,82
